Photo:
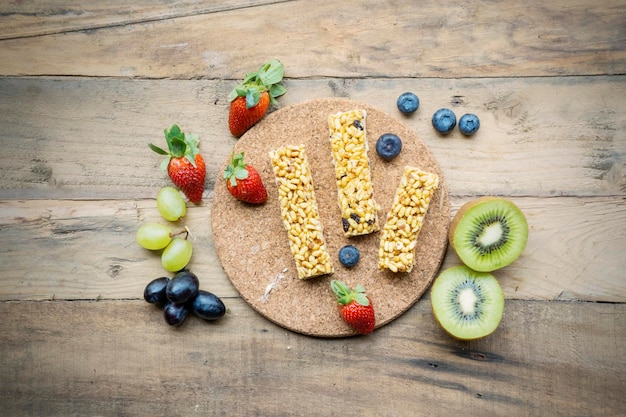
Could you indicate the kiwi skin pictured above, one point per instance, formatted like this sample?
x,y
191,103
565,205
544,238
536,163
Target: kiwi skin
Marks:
x,y
505,255
448,311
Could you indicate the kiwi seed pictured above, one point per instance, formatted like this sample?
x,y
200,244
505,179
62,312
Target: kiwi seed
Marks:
x,y
466,303
488,233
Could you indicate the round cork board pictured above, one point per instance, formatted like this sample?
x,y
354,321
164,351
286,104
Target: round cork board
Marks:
x,y
252,244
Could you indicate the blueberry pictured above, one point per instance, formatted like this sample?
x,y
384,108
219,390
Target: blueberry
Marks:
x,y
349,256
208,306
154,293
444,121
388,146
469,124
184,286
408,103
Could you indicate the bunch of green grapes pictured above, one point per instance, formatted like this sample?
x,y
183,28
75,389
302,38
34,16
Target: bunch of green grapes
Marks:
x,y
177,250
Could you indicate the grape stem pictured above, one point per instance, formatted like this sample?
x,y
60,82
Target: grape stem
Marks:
x,y
186,231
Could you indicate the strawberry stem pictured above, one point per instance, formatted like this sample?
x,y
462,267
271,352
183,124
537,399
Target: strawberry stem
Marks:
x,y
267,78
179,144
345,295
236,169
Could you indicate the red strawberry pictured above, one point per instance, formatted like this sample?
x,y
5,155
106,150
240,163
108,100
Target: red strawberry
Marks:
x,y
241,118
244,181
250,100
184,164
355,307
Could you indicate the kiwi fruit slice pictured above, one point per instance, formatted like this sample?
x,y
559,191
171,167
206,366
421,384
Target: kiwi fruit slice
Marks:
x,y
466,303
488,233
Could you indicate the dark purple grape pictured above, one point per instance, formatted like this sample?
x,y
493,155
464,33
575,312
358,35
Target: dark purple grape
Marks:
x,y
175,314
183,287
155,291
208,306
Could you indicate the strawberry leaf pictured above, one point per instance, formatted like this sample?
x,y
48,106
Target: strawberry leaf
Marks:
x,y
165,162
362,299
271,73
250,77
192,141
277,90
158,150
345,295
178,147
253,95
359,288
174,132
236,170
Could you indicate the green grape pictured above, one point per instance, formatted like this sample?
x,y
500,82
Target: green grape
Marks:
x,y
171,204
177,254
153,236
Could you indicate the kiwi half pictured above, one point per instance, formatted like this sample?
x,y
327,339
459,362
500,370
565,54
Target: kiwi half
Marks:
x,y
466,303
488,233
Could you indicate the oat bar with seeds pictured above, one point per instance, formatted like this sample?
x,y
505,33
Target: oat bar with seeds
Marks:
x,y
405,218
299,211
348,142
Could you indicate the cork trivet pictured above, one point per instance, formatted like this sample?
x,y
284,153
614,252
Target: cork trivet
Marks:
x,y
252,244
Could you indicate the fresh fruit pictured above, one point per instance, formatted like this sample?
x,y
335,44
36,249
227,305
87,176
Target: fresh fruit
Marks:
x,y
488,233
171,204
183,287
181,295
388,146
208,306
349,256
355,307
154,293
466,303
469,124
175,314
444,121
184,164
243,181
408,103
250,100
153,236
177,254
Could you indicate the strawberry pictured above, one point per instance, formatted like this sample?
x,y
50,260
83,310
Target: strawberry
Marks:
x,y
184,164
355,307
241,118
250,100
244,181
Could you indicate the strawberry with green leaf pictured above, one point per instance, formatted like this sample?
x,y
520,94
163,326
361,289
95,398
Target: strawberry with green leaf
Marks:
x,y
183,163
250,100
243,181
355,307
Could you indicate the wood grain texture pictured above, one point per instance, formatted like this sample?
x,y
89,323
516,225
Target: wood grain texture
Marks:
x,y
476,38
79,358
19,19
59,249
87,138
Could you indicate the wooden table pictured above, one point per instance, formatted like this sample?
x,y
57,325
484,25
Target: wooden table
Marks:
x,y
85,87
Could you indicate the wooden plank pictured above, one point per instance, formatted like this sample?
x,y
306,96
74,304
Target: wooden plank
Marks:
x,y
20,19
87,250
87,138
118,358
472,39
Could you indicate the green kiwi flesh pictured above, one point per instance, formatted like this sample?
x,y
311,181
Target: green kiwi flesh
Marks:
x,y
488,233
466,303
